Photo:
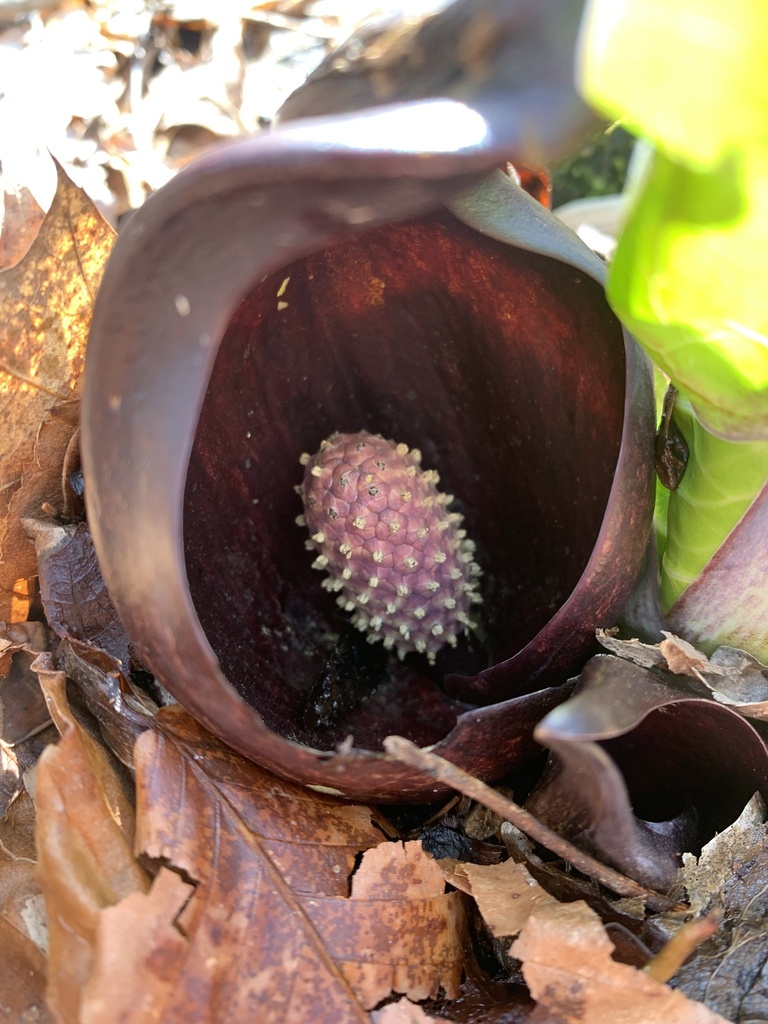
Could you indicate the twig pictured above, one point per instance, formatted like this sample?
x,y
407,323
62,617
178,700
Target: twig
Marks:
x,y
442,770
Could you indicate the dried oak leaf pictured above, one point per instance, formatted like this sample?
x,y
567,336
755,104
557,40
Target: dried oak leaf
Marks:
x,y
256,919
46,302
85,836
634,779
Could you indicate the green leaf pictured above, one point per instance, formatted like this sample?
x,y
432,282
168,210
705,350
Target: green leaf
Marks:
x,y
688,279
690,75
720,482
689,272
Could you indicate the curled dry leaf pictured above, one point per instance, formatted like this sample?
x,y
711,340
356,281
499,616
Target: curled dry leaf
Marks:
x,y
85,846
634,780
45,312
256,914
74,595
121,709
731,676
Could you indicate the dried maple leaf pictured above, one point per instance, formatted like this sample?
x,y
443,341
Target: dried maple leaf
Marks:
x,y
261,919
46,302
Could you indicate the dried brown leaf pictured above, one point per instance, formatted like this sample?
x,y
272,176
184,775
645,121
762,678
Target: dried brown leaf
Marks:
x,y
21,902
24,719
40,484
85,847
122,710
505,894
22,979
396,889
705,876
74,595
23,711
21,221
566,958
731,676
257,916
46,302
729,972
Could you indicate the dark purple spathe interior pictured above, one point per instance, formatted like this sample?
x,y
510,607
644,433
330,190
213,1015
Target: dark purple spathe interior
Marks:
x,y
505,368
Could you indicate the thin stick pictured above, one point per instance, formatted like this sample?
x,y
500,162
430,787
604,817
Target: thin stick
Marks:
x,y
448,773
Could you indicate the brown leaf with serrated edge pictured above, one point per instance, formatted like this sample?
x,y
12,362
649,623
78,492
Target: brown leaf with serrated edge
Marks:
x,y
85,845
566,957
258,915
21,222
46,302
